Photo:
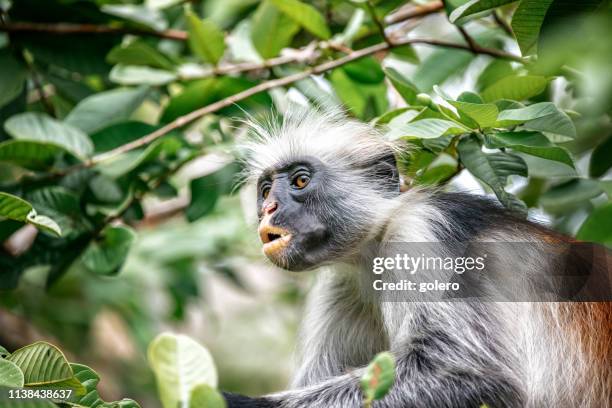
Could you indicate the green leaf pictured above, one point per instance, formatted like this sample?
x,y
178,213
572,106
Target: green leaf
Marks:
x,y
527,22
403,86
544,116
204,396
438,171
271,30
135,75
496,70
547,169
426,129
493,169
206,91
139,53
378,377
365,70
4,352
139,14
439,66
534,143
601,158
406,53
105,108
180,364
91,398
364,100
42,364
62,205
12,77
483,114
120,165
598,226
305,15
106,255
35,126
570,195
206,190
30,154
473,7
119,134
15,208
515,87
205,38
10,374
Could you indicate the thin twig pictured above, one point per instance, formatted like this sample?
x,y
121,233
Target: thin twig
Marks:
x,y
414,12
274,83
42,95
502,23
71,28
377,22
468,39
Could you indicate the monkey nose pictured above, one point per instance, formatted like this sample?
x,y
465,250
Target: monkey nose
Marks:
x,y
270,207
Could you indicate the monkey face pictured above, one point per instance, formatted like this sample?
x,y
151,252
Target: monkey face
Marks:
x,y
294,234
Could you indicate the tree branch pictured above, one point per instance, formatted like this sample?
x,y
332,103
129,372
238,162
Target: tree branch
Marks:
x,y
265,86
414,12
468,39
377,22
71,28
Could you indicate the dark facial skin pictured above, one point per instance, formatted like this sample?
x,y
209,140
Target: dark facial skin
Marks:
x,y
295,237
306,217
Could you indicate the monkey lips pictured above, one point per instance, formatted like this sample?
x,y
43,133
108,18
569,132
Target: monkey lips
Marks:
x,y
274,239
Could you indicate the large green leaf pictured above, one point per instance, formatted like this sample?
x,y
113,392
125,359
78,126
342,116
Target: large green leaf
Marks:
x,y
516,88
180,364
544,116
305,15
91,399
527,22
271,30
204,396
402,85
205,38
62,205
15,208
601,159
106,255
426,129
440,66
493,169
378,377
206,190
30,154
41,127
139,53
105,108
42,364
10,374
534,143
12,77
473,7
570,195
598,226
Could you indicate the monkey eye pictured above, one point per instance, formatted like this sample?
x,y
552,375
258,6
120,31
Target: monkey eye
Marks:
x,y
300,180
265,192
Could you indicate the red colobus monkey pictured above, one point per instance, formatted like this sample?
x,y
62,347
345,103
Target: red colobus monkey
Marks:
x,y
328,197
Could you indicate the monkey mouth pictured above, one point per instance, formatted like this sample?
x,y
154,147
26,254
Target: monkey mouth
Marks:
x,y
274,239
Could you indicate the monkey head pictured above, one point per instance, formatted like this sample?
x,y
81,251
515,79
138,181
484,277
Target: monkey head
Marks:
x,y
322,184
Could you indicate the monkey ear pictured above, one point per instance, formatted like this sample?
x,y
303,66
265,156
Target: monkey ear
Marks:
x,y
384,169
